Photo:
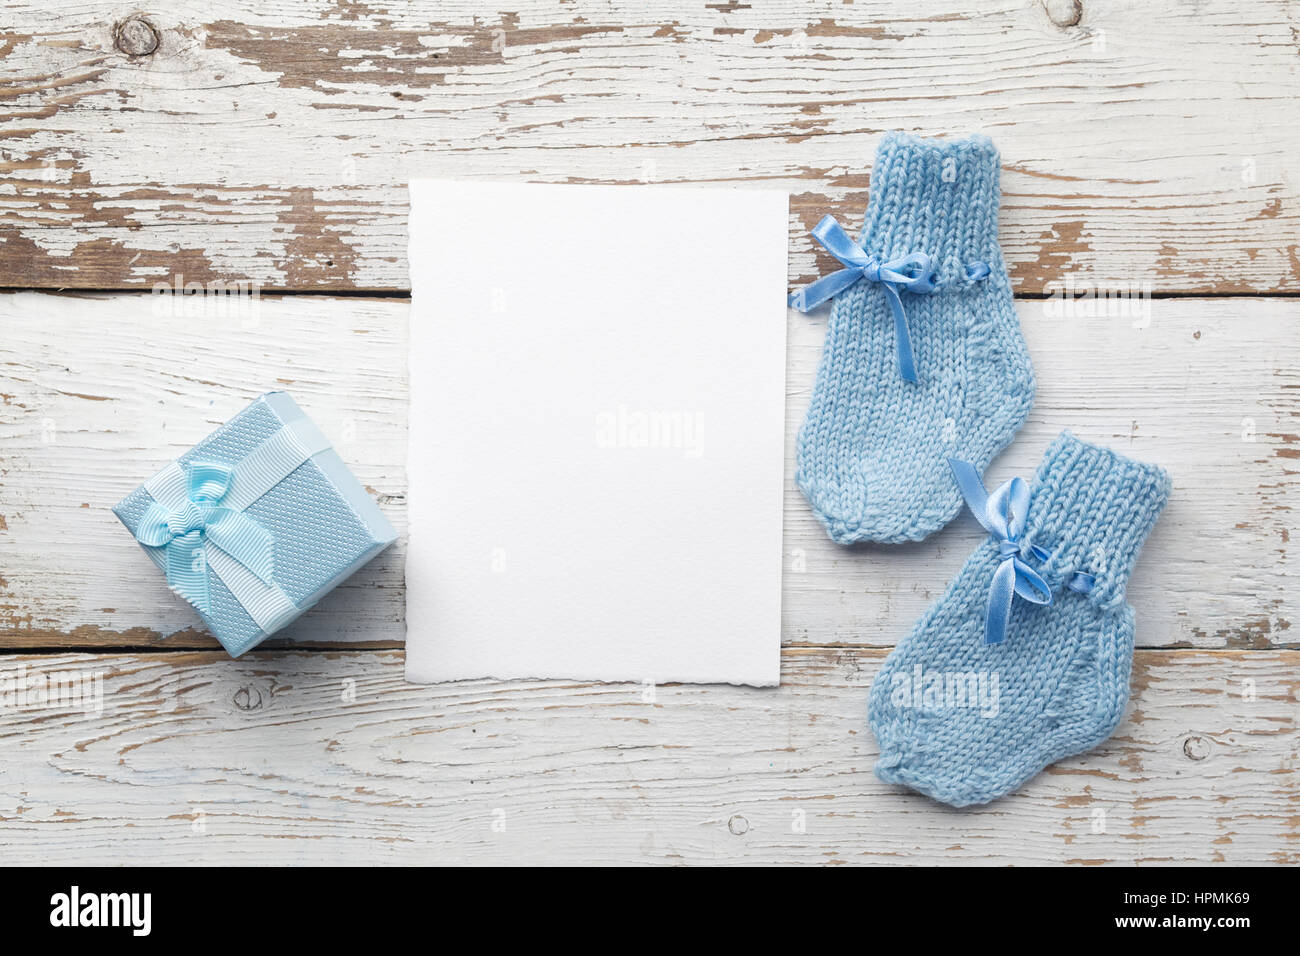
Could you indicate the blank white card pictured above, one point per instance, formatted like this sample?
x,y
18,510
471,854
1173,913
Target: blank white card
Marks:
x,y
597,433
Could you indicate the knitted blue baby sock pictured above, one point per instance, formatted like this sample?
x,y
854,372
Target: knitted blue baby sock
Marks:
x,y
1025,660
924,359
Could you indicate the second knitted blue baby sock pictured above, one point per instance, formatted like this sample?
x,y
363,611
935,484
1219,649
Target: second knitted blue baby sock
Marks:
x,y
1025,660
924,359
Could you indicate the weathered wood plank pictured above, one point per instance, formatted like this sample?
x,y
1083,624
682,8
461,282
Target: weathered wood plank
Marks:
x,y
96,392
272,142
317,757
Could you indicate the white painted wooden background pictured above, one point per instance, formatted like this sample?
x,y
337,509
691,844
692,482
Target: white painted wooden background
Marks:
x,y
1145,144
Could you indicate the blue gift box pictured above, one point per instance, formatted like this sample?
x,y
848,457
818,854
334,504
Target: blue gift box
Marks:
x,y
257,522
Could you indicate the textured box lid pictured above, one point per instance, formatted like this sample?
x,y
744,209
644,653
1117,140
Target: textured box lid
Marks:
x,y
325,524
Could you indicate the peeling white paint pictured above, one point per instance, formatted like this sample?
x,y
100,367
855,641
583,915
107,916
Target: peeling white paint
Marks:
x,y
1173,390
594,93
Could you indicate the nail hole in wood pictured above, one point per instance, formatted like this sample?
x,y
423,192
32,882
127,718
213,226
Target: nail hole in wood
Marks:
x,y
135,36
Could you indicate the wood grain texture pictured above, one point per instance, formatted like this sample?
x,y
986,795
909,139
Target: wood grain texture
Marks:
x,y
1147,146
97,392
271,142
332,758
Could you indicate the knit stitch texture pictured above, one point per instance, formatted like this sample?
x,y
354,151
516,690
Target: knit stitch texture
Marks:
x,y
873,449
966,722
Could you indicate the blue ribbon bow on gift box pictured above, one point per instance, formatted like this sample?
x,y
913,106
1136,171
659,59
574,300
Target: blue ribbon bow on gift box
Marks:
x,y
197,527
200,519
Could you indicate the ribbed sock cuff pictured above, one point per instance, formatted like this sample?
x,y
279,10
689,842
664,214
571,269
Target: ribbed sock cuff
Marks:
x,y
939,197
1092,509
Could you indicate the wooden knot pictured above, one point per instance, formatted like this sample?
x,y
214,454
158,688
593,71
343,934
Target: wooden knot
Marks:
x,y
1196,748
738,825
136,36
1064,13
248,697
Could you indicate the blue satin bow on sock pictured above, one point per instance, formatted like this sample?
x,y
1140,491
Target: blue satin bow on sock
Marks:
x,y
1003,515
912,273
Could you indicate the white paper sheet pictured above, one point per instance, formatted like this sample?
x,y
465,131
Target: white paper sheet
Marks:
x,y
597,432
